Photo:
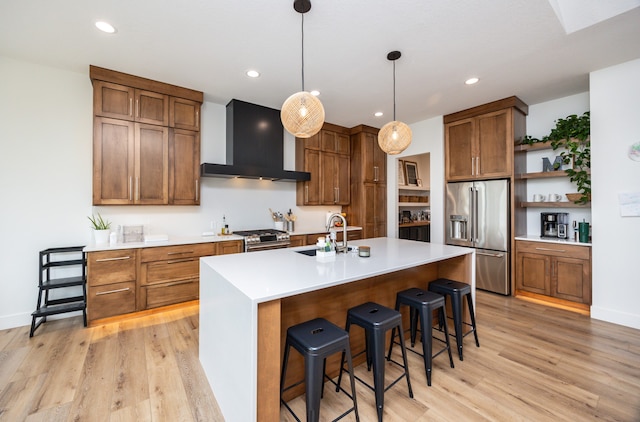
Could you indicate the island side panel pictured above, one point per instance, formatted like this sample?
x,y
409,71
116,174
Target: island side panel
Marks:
x,y
228,344
269,362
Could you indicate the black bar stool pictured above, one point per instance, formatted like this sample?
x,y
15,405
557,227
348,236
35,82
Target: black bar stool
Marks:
x,y
316,340
458,291
422,304
376,321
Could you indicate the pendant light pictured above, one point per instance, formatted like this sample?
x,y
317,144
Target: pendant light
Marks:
x,y
302,114
395,136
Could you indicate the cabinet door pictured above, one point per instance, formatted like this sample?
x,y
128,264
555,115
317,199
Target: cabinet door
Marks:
x,y
374,160
184,114
152,164
298,240
572,280
343,144
184,167
328,169
374,221
328,141
113,161
311,193
459,150
112,100
343,180
533,273
151,107
494,144
229,247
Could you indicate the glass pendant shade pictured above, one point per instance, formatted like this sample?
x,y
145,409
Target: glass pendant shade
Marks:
x,y
394,137
302,115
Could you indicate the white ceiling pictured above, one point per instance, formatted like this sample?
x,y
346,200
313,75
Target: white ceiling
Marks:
x,y
515,47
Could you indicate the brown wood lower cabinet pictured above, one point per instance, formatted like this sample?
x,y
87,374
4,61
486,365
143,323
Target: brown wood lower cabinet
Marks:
x,y
111,279
130,280
561,272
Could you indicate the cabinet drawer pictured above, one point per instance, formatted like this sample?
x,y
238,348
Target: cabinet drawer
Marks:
x,y
170,270
554,249
170,293
108,267
111,300
162,253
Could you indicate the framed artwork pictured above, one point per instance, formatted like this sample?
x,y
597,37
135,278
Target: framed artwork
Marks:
x,y
411,170
401,179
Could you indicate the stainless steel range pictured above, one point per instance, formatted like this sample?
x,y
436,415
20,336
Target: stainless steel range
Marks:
x,y
260,240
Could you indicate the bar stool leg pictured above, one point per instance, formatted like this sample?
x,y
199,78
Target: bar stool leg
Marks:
x,y
378,370
352,377
313,371
457,321
442,317
404,359
473,318
426,321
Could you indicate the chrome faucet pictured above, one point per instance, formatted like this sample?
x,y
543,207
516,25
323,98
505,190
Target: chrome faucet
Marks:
x,y
342,248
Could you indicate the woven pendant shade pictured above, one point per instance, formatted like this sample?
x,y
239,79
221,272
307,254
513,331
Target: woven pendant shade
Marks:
x,y
394,137
302,115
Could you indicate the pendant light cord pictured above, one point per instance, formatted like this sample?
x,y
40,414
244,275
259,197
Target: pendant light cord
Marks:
x,y
302,51
394,90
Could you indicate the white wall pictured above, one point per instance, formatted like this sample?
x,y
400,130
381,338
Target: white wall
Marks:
x,y
46,175
428,137
615,113
540,120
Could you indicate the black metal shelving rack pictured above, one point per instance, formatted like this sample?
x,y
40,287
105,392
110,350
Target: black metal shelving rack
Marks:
x,y
47,306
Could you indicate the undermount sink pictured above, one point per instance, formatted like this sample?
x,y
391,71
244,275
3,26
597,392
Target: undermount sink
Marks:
x,y
308,252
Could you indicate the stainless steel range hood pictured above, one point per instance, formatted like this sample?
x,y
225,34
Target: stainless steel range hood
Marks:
x,y
255,139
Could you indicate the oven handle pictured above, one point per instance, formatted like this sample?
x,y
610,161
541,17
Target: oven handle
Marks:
x,y
278,245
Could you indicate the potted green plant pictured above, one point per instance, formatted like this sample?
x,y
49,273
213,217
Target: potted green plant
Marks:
x,y
572,135
101,228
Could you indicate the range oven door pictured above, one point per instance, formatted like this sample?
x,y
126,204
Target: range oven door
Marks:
x,y
263,246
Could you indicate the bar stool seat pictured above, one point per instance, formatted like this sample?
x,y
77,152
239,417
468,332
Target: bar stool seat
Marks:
x,y
376,321
422,304
316,340
457,291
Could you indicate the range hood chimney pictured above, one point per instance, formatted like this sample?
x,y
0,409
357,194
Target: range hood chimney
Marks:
x,y
255,139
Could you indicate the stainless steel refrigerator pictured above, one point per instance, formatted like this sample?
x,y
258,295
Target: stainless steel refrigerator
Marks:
x,y
477,216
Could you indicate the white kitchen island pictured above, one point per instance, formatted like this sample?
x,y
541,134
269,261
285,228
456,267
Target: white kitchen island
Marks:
x,y
247,302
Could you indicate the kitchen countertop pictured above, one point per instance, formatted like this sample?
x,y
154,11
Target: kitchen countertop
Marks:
x,y
173,240
244,299
537,238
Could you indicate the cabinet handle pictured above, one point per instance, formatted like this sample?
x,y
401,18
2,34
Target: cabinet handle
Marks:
x,y
495,255
335,195
197,118
174,283
473,166
130,187
477,166
131,107
108,292
551,249
120,258
178,253
137,188
137,108
306,193
375,173
177,261
197,190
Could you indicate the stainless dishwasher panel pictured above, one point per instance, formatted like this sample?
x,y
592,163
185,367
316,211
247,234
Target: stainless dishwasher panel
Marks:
x,y
492,271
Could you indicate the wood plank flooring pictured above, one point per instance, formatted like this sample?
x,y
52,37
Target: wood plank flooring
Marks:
x,y
535,363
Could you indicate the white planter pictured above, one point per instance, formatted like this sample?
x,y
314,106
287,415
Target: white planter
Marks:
x,y
101,236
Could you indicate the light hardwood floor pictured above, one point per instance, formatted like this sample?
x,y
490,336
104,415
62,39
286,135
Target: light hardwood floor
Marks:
x,y
535,363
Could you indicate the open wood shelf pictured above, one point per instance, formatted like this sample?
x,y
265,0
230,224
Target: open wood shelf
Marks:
x,y
563,204
532,147
542,175
413,204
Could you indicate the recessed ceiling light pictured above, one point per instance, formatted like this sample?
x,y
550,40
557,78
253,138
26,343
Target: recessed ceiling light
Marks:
x,y
378,114
253,73
315,93
105,27
471,81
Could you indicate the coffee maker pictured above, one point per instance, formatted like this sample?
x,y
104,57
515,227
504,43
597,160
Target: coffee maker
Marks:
x,y
554,224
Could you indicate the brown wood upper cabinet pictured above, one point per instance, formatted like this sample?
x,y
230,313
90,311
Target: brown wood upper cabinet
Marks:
x,y
479,141
136,158
326,156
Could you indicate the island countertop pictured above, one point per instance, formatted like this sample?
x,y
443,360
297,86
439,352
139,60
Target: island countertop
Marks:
x,y
279,273
247,302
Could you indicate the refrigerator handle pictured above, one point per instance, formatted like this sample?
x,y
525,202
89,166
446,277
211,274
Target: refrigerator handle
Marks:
x,y
472,215
475,214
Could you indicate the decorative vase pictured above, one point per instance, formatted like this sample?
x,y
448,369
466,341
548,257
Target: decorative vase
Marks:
x,y
101,236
